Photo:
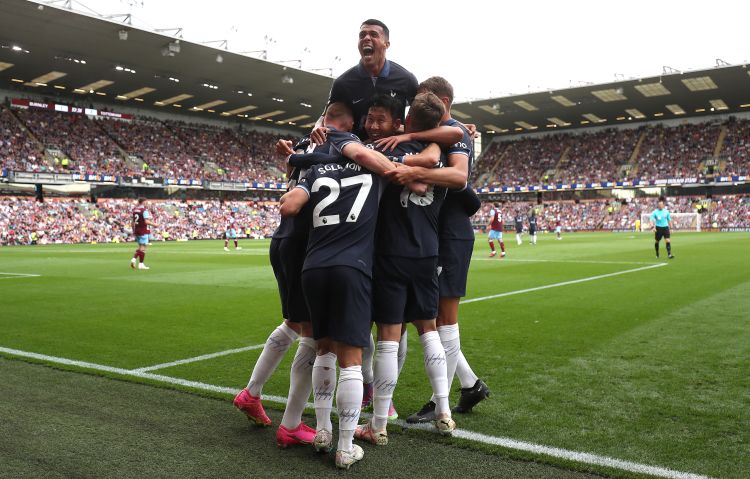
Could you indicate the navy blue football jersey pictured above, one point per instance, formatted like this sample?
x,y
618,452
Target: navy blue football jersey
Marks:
x,y
356,87
532,222
454,223
519,223
300,224
343,203
407,222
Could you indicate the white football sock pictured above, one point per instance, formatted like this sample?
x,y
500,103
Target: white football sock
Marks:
x,y
386,376
402,348
452,345
324,384
276,346
465,374
518,239
533,238
367,357
434,364
348,402
300,383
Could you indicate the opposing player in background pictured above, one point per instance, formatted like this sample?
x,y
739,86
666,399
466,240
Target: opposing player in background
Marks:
x,y
496,231
662,220
141,222
532,227
518,219
231,232
558,228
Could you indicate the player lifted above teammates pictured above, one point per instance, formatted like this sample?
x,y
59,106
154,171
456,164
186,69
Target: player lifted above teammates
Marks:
x,y
662,220
496,230
141,222
456,243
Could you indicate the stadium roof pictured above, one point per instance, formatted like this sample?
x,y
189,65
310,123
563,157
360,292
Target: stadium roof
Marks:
x,y
49,46
717,90
65,51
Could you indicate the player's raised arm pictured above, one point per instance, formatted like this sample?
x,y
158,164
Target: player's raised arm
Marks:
x,y
453,176
443,135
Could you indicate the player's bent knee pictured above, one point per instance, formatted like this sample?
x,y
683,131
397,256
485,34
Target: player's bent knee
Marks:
x,y
296,327
389,332
424,325
348,355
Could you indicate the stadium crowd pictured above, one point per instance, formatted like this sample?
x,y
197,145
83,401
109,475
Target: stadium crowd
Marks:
x,y
142,147
64,220
730,211
617,154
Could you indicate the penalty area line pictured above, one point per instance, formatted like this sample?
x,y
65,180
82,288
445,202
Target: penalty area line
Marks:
x,y
508,443
18,275
564,283
198,358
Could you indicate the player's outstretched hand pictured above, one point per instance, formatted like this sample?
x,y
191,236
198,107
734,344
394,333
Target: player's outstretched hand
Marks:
x,y
319,135
284,148
388,144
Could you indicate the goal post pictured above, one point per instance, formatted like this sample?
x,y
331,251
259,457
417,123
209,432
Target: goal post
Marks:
x,y
680,221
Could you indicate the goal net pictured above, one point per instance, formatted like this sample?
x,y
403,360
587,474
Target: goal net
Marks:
x,y
680,222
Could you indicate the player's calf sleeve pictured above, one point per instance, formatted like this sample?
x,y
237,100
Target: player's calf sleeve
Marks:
x,y
386,377
402,345
434,364
274,350
324,384
367,358
464,372
300,383
348,402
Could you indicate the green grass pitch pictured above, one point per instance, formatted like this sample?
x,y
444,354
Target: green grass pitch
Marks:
x,y
649,366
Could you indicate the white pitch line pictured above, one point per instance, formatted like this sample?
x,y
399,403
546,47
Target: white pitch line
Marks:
x,y
198,358
582,261
582,457
564,283
18,275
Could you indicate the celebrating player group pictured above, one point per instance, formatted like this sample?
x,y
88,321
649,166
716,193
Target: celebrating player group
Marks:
x,y
375,229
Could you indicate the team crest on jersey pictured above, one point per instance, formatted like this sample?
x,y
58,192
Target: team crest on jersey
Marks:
x,y
393,94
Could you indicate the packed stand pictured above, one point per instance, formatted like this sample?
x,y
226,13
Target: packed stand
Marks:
x,y
676,152
23,220
18,150
598,156
89,149
736,149
731,211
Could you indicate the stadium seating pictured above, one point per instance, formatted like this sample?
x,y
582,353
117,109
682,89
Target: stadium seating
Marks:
x,y
647,153
66,220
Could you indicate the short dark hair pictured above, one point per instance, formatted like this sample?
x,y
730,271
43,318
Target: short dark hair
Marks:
x,y
437,85
389,103
661,198
141,199
426,112
372,21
